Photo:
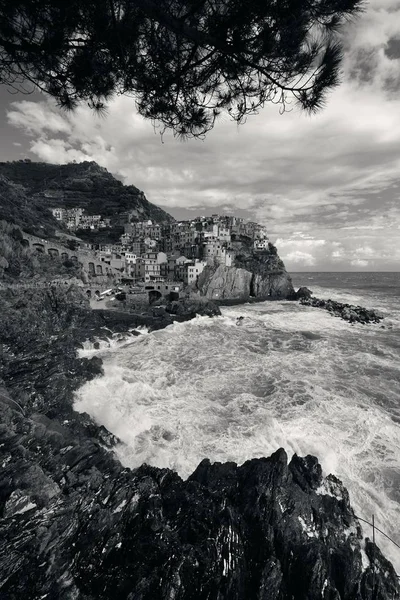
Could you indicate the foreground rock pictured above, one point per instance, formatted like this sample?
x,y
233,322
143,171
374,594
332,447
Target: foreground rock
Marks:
x,y
74,524
348,312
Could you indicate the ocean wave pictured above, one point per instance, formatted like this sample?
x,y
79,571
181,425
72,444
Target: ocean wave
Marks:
x,y
113,341
290,376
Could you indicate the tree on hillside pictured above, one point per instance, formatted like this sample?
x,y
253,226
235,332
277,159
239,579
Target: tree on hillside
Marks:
x,y
183,61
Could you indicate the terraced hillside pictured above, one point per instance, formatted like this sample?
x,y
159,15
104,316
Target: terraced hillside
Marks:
x,y
87,185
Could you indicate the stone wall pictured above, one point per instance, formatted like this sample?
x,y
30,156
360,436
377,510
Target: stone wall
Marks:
x,y
89,261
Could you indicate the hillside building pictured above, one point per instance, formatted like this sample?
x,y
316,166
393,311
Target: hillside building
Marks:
x,y
215,251
193,271
260,245
147,269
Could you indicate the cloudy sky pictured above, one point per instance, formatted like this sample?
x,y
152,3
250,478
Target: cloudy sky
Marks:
x,y
327,187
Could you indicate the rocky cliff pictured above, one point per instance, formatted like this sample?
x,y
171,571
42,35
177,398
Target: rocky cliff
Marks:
x,y
260,275
75,524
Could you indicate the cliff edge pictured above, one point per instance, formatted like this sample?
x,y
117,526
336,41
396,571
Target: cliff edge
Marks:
x,y
261,275
75,524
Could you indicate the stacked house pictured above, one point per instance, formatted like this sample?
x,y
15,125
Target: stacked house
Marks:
x,y
180,251
77,218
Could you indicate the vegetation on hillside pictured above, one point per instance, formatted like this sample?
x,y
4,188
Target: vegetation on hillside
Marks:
x,y
26,212
260,261
101,236
85,185
19,264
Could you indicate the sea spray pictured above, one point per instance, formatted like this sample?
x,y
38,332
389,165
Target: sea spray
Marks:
x,y
289,377
109,341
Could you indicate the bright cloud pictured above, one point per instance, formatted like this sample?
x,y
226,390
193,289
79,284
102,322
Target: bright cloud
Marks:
x,y
359,263
327,186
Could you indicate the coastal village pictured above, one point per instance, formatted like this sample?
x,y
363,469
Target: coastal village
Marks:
x,y
109,240
169,253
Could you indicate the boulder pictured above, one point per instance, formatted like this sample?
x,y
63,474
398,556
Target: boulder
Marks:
x,y
192,306
303,292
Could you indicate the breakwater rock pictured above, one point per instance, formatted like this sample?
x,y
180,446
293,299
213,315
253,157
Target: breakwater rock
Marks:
x,y
348,312
302,293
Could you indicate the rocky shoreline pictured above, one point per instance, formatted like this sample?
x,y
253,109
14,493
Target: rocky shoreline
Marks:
x,y
75,524
40,333
348,312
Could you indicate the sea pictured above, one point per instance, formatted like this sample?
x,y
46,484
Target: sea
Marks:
x,y
288,376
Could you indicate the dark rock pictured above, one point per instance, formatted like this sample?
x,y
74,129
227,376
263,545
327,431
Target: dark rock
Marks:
x,y
302,292
306,472
348,312
75,524
159,311
190,307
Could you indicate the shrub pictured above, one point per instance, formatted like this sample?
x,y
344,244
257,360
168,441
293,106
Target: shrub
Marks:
x,y
272,248
72,244
16,234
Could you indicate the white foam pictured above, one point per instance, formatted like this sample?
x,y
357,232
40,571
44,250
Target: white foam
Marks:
x,y
364,558
308,528
111,342
290,376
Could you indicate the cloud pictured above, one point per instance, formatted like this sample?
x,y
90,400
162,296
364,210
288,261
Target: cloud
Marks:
x,y
341,251
359,263
36,119
304,259
331,178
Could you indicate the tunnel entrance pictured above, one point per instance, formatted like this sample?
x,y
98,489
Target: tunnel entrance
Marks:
x,y
154,295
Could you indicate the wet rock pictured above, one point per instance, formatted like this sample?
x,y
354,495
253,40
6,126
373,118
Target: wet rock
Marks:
x,y
75,524
348,312
302,292
266,529
192,306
